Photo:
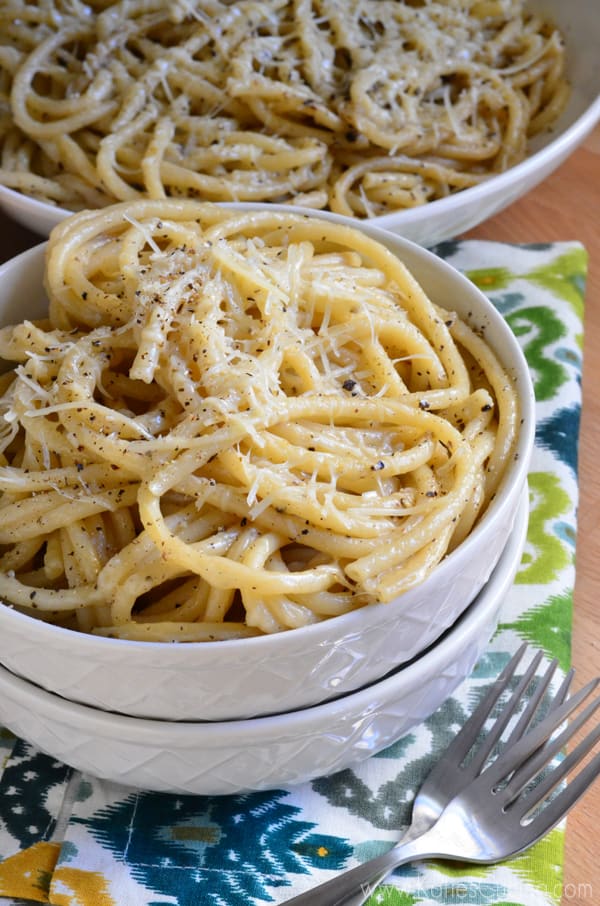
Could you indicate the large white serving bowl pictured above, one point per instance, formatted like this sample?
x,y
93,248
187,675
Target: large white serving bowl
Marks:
x,y
462,211
243,678
267,752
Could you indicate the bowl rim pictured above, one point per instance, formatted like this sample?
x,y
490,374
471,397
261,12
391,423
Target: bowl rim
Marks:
x,y
571,136
347,624
286,725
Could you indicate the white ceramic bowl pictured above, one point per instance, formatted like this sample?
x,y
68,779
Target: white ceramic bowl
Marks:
x,y
451,216
268,752
299,668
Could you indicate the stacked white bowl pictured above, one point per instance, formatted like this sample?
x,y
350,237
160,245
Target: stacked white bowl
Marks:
x,y
254,712
224,757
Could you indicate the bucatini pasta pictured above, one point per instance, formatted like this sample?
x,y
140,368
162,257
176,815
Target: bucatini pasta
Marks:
x,y
236,422
363,107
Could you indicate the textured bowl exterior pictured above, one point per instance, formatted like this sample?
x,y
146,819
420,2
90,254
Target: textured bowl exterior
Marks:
x,y
239,679
231,757
448,217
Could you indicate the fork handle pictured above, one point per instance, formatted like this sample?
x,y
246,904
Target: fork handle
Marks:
x,y
363,879
421,822
357,899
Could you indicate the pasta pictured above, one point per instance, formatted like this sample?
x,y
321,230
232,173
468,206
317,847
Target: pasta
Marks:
x,y
235,423
363,107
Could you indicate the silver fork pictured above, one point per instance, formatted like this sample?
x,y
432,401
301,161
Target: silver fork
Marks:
x,y
488,819
452,772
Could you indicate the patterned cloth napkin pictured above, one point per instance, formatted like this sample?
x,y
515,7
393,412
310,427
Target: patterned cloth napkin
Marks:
x,y
72,840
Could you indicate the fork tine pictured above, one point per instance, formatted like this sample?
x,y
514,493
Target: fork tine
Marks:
x,y
504,717
538,761
536,698
463,743
514,757
532,706
531,800
563,691
555,811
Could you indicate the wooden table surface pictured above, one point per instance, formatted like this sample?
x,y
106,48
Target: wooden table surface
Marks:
x,y
566,206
